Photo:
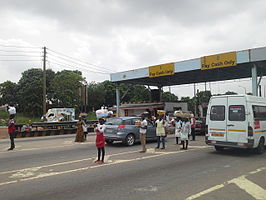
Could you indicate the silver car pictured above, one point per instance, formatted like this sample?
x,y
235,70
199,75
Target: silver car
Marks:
x,y
124,129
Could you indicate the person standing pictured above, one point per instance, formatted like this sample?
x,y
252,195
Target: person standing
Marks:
x,y
100,141
79,134
185,132
142,133
160,132
193,126
85,127
11,131
178,126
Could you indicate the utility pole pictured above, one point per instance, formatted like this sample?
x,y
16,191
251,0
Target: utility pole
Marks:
x,y
195,103
44,80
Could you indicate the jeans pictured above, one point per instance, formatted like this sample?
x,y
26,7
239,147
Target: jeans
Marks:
x,y
159,140
12,136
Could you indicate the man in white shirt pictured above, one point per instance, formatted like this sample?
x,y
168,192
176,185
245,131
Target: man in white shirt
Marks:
x,y
142,133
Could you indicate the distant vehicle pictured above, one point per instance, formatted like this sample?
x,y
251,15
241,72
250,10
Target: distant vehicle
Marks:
x,y
236,121
200,127
59,114
124,129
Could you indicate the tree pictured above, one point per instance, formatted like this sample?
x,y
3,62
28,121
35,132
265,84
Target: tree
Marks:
x,y
8,93
169,97
190,102
65,88
30,88
203,96
30,91
229,93
104,93
96,95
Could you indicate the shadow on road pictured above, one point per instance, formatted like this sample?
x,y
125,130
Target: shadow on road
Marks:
x,y
234,152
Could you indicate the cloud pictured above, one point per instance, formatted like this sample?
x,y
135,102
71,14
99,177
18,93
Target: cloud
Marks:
x,y
123,35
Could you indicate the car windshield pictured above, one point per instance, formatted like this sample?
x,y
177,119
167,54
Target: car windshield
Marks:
x,y
113,121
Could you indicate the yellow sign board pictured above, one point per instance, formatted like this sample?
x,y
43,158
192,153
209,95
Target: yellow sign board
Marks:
x,y
161,70
218,61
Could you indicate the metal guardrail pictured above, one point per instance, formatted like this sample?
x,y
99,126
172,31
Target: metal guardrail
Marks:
x,y
51,128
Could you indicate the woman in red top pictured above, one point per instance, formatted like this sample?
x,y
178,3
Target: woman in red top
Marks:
x,y
11,131
100,141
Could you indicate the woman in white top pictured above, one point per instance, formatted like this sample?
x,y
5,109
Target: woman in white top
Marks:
x,y
160,132
185,132
178,125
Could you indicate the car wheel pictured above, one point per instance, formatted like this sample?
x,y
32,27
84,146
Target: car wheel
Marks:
x,y
130,140
218,148
109,142
260,148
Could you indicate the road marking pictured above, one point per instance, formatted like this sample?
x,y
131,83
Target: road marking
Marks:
x,y
115,162
52,147
253,189
205,192
62,163
147,189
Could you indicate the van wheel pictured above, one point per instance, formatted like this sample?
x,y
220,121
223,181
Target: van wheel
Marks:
x,y
218,148
260,148
130,140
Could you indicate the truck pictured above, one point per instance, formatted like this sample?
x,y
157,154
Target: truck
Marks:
x,y
59,114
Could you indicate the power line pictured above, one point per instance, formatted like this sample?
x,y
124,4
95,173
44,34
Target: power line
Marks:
x,y
67,60
19,51
83,67
21,55
14,46
22,60
74,67
71,67
80,60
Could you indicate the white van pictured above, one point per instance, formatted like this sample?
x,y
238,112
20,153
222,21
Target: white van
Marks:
x,y
236,121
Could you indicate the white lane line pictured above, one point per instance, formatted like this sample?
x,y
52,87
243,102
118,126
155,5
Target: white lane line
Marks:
x,y
42,175
62,163
242,183
206,191
253,189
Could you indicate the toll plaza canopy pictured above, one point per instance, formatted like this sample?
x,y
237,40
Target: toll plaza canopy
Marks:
x,y
225,66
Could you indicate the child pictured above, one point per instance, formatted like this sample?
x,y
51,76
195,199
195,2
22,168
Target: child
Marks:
x,y
100,141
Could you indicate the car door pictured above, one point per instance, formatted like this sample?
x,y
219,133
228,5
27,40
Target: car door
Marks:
x,y
135,129
217,119
151,131
236,120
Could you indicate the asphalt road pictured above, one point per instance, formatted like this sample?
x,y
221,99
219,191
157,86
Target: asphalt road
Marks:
x,y
57,168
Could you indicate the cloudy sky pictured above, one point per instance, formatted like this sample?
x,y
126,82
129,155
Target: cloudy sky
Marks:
x,y
103,36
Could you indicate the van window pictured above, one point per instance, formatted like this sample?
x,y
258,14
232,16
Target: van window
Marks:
x,y
259,112
237,113
217,113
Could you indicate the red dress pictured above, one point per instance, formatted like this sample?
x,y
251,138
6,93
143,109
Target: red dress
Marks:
x,y
100,141
11,126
